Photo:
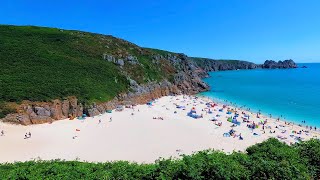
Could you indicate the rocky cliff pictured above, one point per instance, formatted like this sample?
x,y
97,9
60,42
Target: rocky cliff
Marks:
x,y
222,65
270,64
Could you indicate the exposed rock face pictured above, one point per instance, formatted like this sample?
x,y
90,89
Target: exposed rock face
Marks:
x,y
109,58
270,64
44,112
120,61
132,59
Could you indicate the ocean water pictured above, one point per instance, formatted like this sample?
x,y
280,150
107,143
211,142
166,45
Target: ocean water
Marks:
x,y
293,94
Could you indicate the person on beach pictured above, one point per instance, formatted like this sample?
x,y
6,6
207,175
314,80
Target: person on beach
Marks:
x,y
240,137
99,121
29,134
26,136
110,119
2,133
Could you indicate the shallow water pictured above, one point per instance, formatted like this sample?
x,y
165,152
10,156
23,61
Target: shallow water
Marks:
x,y
293,94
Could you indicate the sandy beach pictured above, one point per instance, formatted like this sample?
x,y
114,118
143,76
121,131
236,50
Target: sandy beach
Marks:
x,y
145,133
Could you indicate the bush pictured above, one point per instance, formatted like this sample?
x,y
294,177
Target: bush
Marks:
x,y
310,150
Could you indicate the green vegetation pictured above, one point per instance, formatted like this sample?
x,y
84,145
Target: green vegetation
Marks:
x,y
268,160
159,51
41,64
5,109
203,62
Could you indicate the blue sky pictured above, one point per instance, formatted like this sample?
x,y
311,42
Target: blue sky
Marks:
x,y
253,30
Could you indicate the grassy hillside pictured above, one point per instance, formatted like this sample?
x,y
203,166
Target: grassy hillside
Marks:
x,y
40,64
268,160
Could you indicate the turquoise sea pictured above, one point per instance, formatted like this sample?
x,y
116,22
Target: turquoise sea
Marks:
x,y
292,93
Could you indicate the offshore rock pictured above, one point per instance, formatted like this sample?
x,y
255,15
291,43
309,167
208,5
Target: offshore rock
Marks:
x,y
270,64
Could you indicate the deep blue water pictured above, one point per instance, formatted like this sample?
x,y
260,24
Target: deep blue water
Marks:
x,y
292,93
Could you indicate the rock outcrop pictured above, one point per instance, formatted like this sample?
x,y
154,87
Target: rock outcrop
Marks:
x,y
120,61
286,64
44,112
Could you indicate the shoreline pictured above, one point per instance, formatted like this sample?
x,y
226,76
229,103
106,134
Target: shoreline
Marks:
x,y
143,133
263,113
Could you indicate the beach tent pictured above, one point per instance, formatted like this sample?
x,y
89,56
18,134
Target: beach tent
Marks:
x,y
149,103
109,111
229,119
84,115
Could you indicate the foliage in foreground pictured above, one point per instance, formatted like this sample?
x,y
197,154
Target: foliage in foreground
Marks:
x,y
268,160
